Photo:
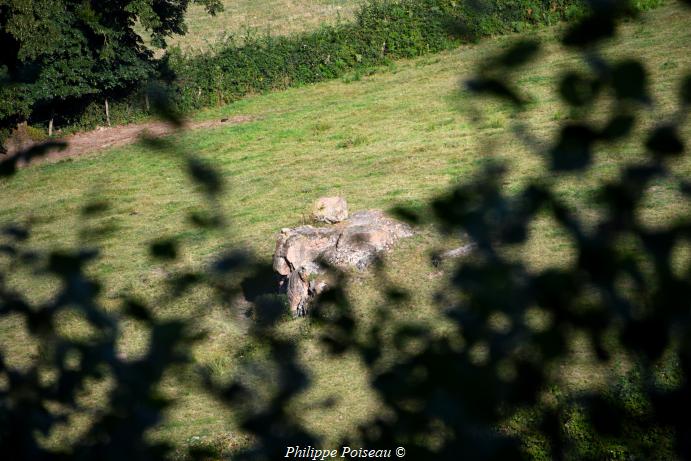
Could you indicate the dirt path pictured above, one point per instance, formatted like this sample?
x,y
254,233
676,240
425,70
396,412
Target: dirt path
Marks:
x,y
103,138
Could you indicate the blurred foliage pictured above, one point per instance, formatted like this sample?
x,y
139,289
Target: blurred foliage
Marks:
x,y
445,397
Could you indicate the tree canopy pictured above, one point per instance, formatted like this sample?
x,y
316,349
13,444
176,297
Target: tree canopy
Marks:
x,y
55,50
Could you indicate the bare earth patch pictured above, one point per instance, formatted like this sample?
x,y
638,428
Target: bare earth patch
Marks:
x,y
103,138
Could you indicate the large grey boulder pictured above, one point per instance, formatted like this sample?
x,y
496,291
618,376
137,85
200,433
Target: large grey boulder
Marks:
x,y
354,243
362,237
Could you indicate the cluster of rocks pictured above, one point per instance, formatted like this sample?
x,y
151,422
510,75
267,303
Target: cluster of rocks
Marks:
x,y
303,253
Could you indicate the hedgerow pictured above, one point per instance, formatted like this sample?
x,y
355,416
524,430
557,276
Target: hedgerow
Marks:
x,y
383,30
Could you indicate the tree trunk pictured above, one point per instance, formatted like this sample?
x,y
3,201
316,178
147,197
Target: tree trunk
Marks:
x,y
50,125
146,101
107,113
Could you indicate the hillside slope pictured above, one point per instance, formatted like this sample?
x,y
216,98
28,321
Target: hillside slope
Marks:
x,y
399,135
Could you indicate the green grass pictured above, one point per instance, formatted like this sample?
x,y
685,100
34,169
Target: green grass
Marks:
x,y
276,17
398,136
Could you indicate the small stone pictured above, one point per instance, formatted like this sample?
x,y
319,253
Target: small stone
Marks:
x,y
317,287
454,253
330,210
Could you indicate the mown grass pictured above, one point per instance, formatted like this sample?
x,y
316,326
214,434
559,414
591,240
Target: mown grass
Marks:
x,y
275,17
398,136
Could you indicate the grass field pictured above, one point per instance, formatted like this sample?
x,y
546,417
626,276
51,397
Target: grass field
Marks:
x,y
400,135
276,17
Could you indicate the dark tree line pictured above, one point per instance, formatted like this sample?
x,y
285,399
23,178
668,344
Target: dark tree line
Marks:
x,y
443,400
56,52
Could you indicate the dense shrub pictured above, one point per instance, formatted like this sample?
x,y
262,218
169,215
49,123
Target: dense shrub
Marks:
x,y
89,112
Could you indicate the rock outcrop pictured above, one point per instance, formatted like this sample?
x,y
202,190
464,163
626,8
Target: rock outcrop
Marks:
x,y
302,252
